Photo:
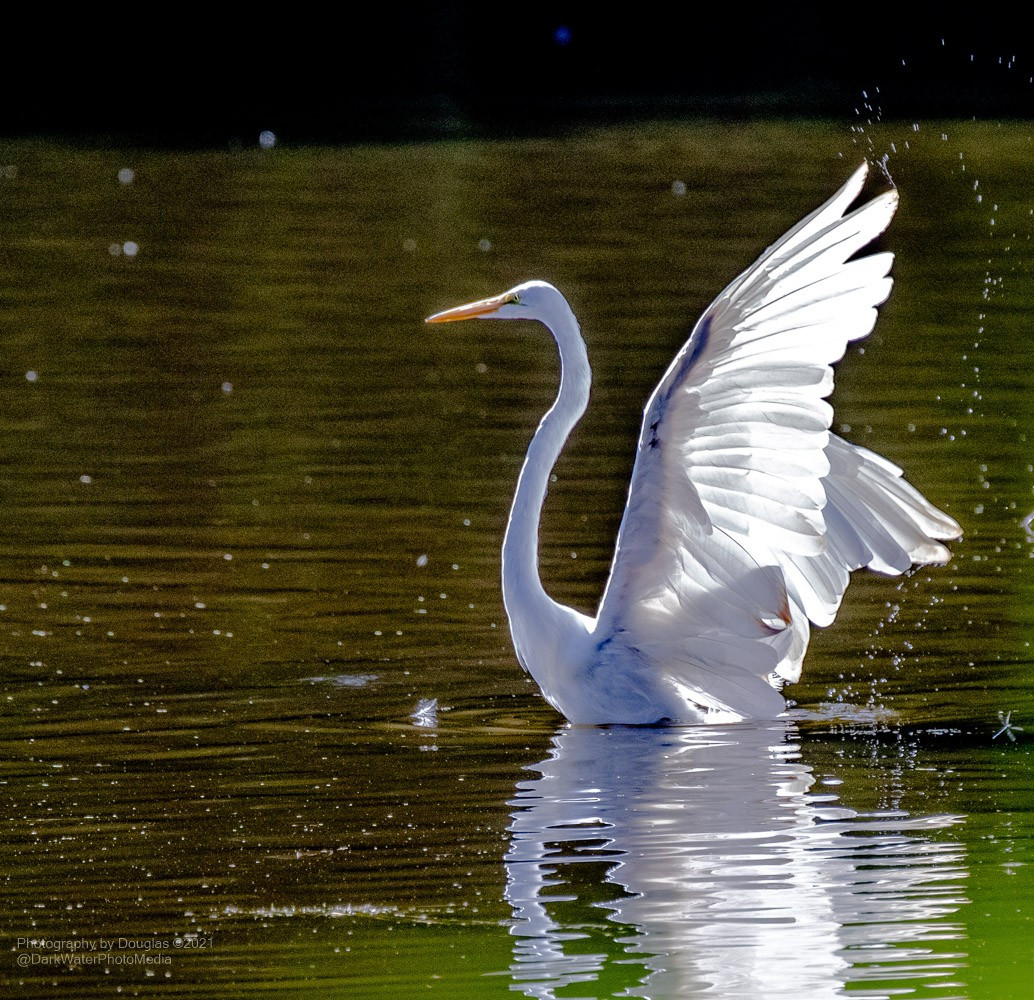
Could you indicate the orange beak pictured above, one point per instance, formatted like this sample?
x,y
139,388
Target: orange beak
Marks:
x,y
483,307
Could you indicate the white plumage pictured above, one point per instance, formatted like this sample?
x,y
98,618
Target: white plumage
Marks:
x,y
745,515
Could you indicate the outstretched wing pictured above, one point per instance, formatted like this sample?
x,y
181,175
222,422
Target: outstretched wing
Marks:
x,y
731,529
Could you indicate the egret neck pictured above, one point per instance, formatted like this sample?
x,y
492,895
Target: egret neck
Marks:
x,y
528,606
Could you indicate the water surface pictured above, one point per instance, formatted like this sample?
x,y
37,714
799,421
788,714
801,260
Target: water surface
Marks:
x,y
253,509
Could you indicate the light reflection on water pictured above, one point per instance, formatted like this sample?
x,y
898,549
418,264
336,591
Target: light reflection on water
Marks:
x,y
724,868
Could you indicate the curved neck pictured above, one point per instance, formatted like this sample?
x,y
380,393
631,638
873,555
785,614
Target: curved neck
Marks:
x,y
524,597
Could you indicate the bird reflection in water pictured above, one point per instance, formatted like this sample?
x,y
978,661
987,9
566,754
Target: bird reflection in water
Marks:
x,y
664,863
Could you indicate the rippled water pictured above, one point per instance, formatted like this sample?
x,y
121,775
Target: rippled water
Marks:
x,y
263,731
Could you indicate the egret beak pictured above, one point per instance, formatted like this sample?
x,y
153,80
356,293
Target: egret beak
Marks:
x,y
483,307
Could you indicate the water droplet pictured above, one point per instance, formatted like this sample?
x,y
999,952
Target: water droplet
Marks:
x,y
426,713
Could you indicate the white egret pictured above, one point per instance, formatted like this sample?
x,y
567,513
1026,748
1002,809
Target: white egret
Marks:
x,y
745,514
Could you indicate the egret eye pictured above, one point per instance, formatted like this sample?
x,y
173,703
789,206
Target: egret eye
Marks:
x,y
515,299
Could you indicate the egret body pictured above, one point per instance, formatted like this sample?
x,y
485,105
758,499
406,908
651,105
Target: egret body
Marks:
x,y
745,514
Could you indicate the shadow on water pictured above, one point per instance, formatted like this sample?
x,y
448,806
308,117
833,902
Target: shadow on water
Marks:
x,y
671,863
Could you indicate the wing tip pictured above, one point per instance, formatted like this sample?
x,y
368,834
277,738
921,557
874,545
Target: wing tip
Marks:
x,y
885,203
857,179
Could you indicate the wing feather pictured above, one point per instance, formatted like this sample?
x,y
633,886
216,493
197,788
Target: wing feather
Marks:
x,y
745,515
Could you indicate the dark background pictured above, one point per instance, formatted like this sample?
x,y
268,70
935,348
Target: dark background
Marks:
x,y
179,76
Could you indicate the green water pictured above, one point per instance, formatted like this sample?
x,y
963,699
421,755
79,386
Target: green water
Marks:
x,y
252,516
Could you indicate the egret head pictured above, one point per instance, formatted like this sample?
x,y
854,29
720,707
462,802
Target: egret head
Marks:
x,y
530,300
